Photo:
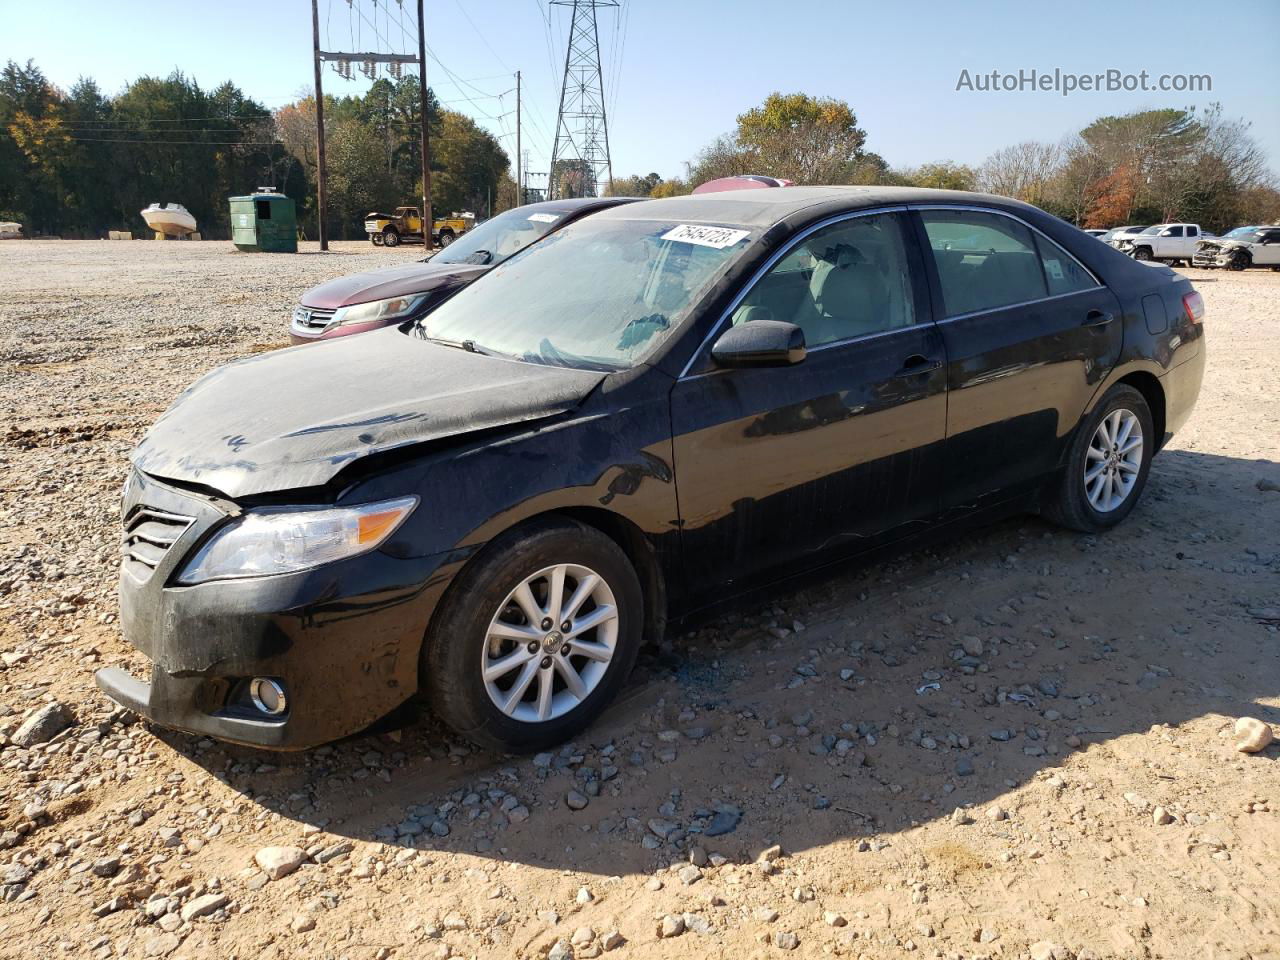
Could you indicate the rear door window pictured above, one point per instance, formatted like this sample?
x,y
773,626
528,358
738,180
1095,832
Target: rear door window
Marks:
x,y
985,261
1062,272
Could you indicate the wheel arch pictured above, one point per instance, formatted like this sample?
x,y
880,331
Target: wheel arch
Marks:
x,y
1147,384
639,550
622,531
1145,381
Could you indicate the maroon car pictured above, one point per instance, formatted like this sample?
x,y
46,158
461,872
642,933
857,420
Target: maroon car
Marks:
x,y
379,298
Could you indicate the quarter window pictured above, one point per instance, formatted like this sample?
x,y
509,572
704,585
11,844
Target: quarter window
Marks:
x,y
1062,272
846,280
984,261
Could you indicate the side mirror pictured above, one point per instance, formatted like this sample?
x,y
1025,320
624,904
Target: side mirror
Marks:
x,y
1166,233
760,343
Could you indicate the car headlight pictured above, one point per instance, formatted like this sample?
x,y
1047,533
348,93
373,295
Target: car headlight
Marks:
x,y
282,540
390,309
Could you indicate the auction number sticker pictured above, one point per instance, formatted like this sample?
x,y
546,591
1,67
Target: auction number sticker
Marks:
x,y
544,217
716,237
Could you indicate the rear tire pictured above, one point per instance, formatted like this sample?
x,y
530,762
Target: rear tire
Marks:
x,y
569,675
1082,500
446,238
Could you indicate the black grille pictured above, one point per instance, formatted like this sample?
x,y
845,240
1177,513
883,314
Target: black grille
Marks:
x,y
148,535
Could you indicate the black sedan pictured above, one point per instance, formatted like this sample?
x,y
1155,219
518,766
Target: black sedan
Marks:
x,y
654,410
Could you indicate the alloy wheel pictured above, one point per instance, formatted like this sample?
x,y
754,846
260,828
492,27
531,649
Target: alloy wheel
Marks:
x,y
1114,460
550,643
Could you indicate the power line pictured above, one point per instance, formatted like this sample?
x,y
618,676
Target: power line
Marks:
x,y
182,143
482,37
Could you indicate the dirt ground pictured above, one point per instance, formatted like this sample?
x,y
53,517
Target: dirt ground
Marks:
x,y
780,780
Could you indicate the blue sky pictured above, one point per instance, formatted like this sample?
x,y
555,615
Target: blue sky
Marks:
x,y
678,73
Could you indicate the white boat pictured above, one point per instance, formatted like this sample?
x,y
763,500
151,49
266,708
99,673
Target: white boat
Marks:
x,y
172,219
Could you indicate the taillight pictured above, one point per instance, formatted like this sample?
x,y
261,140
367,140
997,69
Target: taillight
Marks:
x,y
1193,303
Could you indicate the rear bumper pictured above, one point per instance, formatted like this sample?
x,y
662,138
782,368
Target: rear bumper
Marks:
x,y
1181,390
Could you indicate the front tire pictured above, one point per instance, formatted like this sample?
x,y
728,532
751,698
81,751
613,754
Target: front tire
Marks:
x,y
1107,464
535,637
390,238
1142,253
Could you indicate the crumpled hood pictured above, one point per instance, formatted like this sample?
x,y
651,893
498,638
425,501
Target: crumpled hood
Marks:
x,y
404,280
294,418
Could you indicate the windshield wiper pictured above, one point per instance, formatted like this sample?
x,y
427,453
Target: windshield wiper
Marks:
x,y
468,345
550,355
480,257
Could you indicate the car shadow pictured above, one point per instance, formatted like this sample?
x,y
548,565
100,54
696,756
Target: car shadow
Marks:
x,y
872,700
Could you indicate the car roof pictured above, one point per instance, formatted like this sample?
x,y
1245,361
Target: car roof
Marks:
x,y
576,204
767,207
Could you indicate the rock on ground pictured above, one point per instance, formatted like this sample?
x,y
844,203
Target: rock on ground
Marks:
x,y
43,725
277,862
1252,735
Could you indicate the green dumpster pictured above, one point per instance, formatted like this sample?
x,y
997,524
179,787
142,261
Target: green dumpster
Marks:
x,y
264,222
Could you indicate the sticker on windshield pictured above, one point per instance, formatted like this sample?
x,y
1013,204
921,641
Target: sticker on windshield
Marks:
x,y
544,217
715,237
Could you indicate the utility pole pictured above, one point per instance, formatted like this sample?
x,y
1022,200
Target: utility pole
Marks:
x,y
519,190
321,232
427,221
582,129
342,61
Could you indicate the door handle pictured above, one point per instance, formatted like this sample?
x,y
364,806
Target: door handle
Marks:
x,y
1097,318
917,364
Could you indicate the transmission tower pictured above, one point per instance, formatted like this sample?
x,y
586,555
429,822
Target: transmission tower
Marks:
x,y
580,155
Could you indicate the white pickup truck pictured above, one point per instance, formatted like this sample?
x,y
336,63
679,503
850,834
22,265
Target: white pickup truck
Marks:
x,y
1166,242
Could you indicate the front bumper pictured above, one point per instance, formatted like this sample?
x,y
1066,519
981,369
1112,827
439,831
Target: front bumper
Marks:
x,y
343,639
299,334
1209,261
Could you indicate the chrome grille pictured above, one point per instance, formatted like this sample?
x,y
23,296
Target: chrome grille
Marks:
x,y
148,534
309,318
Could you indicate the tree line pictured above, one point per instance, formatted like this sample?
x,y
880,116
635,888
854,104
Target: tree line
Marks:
x,y
78,163
1149,166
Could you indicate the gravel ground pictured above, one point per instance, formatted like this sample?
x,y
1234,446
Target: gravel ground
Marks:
x,y
773,782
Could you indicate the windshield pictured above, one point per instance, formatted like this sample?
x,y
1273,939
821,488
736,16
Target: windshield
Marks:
x,y
1240,231
599,294
495,240
1151,231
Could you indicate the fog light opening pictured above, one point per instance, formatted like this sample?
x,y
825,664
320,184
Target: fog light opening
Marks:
x,y
268,696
